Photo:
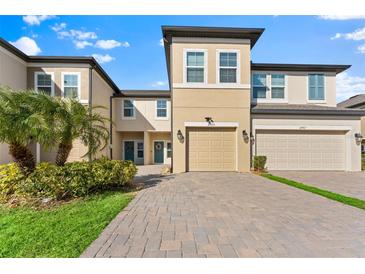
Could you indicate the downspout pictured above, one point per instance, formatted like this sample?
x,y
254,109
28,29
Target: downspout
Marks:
x,y
111,127
90,95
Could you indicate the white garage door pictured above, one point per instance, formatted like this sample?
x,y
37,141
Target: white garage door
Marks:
x,y
298,150
211,149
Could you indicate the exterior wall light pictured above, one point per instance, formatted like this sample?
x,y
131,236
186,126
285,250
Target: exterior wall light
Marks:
x,y
180,136
252,138
209,120
358,138
245,136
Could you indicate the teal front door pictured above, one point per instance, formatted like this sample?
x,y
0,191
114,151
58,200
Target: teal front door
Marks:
x,y
129,150
158,152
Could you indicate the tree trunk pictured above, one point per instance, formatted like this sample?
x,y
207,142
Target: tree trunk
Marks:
x,y
63,152
23,157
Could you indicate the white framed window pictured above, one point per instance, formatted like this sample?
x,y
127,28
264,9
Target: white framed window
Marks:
x,y
316,87
161,109
277,86
71,85
140,151
44,81
269,87
259,86
168,149
128,109
195,66
228,67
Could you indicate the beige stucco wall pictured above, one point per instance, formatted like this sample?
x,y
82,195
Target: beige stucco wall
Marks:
x,y
101,93
353,155
145,116
363,126
297,88
13,73
221,103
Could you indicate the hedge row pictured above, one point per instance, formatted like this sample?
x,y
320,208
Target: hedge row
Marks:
x,y
76,179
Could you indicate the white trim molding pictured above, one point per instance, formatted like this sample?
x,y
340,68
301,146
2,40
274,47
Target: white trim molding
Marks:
x,y
214,124
36,73
78,74
299,127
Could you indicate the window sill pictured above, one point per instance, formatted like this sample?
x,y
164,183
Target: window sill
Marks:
x,y
128,118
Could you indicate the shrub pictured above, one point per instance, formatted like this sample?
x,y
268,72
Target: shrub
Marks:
x,y
10,177
259,163
76,179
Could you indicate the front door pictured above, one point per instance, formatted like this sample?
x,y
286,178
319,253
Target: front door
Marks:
x,y
129,150
158,152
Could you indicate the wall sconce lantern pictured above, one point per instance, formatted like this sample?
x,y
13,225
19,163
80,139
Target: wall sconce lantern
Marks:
x,y
252,138
358,138
209,120
245,136
180,136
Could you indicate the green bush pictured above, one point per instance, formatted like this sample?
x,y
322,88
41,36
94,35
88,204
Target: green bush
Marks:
x,y
259,163
76,179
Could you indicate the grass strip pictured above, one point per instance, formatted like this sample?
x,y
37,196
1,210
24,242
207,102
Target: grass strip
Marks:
x,y
322,192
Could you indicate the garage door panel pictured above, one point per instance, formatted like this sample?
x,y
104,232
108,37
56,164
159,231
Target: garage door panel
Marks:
x,y
294,150
211,149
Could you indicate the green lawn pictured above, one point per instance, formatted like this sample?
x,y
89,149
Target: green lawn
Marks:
x,y
322,192
64,231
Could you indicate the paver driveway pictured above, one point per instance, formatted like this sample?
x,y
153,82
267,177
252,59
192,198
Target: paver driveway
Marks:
x,y
231,215
346,183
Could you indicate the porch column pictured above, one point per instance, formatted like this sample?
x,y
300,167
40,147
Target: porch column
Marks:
x,y
147,148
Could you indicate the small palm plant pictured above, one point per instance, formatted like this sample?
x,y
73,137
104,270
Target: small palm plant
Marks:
x,y
78,121
22,122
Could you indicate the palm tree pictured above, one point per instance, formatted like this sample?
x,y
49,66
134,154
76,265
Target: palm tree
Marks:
x,y
80,122
22,122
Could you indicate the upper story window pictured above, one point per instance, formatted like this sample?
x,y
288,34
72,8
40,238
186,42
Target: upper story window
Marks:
x,y
228,67
195,66
71,85
43,81
259,85
269,86
128,109
277,86
161,109
316,87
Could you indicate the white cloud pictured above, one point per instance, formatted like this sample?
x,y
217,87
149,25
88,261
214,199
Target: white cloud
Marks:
x,y
342,17
103,58
358,34
110,44
348,86
58,27
159,84
27,45
361,48
77,34
161,42
36,19
82,44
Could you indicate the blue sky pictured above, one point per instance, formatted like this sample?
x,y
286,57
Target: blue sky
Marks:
x,y
130,51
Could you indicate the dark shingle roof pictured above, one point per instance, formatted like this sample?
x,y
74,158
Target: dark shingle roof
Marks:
x,y
304,110
353,102
146,93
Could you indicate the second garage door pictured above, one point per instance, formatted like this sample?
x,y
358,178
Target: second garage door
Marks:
x,y
211,149
298,150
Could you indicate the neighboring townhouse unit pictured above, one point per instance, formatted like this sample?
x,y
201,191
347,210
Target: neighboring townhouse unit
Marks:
x,y
356,102
221,110
76,77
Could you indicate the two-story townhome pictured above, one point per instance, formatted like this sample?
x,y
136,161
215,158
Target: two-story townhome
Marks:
x,y
77,77
221,110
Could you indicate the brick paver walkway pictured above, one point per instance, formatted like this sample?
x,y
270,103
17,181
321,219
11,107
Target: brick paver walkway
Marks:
x,y
231,215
